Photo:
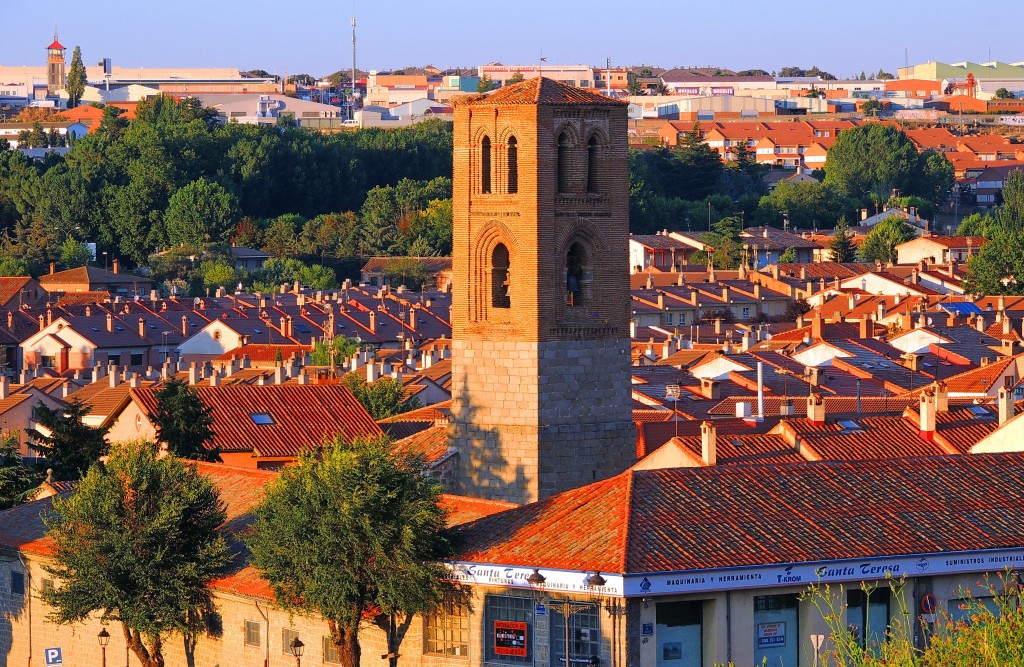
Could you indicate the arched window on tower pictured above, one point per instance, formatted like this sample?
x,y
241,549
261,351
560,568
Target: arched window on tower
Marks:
x,y
513,166
563,162
575,260
485,165
592,165
501,278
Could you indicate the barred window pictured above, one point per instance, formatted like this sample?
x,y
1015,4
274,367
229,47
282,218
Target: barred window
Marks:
x,y
446,632
584,632
775,602
252,633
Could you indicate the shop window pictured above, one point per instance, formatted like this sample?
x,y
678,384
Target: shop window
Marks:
x,y
867,615
584,634
485,165
508,629
563,162
501,278
680,633
446,632
252,633
775,629
513,166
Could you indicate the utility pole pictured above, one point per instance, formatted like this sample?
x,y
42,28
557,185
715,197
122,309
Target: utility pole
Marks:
x,y
352,97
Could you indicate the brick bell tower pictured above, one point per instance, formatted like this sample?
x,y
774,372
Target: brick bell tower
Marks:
x,y
541,398
55,79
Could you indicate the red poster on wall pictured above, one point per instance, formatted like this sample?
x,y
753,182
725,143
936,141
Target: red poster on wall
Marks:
x,y
510,638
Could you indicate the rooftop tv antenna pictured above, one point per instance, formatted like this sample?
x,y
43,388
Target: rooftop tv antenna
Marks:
x,y
352,98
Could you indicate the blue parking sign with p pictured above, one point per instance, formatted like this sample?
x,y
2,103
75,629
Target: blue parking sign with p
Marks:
x,y
53,656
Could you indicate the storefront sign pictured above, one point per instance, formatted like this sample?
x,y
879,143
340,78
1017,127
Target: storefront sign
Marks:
x,y
510,638
540,611
516,577
804,574
647,629
721,92
771,635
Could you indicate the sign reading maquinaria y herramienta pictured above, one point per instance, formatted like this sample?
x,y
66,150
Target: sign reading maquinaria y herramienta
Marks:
x,y
764,576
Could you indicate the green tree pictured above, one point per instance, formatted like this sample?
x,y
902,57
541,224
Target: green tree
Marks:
x,y
841,245
788,257
184,422
69,446
281,236
17,480
338,349
383,398
318,276
11,266
871,107
1003,94
76,79
517,77
218,273
139,542
880,243
725,239
74,253
354,529
407,271
486,84
1010,212
875,159
633,87
199,213
976,224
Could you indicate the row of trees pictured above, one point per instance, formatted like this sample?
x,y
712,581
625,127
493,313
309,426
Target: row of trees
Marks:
x,y
175,176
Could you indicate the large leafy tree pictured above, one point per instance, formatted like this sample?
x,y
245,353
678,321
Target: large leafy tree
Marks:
x,y
199,213
880,243
383,398
69,445
139,542
354,529
998,268
184,422
875,159
76,79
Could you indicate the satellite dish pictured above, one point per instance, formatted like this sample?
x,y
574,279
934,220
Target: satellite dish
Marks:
x,y
929,320
195,302
856,297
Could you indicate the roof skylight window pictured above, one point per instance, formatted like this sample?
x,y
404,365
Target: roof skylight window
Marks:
x,y
261,418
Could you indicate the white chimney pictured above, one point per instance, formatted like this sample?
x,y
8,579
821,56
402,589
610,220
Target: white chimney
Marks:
x,y
193,374
816,409
708,443
928,405
1004,400
372,372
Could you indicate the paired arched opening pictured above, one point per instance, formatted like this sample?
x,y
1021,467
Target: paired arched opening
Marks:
x,y
485,165
512,156
563,162
501,277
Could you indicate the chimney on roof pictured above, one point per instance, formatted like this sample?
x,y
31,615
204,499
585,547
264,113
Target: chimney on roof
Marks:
x,y
941,397
115,379
302,378
816,409
372,372
42,322
1007,346
215,378
53,268
290,324
5,387
1004,400
882,309
661,300
915,277
194,375
817,326
116,266
803,274
184,325
373,322
708,443
745,340
979,323
927,413
851,301
814,376
142,328
718,326
135,381
10,319
951,269
279,375
711,388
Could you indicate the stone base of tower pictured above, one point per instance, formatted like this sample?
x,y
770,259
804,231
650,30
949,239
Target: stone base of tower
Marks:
x,y
534,419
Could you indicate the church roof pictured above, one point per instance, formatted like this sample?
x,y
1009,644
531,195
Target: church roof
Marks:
x,y
55,45
541,90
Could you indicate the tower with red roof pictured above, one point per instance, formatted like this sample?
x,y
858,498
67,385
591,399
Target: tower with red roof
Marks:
x,y
54,66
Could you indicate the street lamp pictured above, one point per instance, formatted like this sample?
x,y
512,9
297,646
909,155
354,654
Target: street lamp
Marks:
x,y
104,260
297,647
104,639
709,215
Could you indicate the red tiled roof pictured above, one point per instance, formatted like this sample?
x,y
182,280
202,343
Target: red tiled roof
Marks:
x,y
11,287
541,90
262,352
463,509
303,416
432,444
685,519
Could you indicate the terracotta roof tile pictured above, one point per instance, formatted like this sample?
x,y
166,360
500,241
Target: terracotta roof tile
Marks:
x,y
541,90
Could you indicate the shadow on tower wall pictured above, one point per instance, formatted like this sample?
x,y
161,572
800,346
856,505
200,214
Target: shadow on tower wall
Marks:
x,y
484,472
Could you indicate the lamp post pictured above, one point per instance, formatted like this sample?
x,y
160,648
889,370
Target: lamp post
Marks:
x,y
297,648
104,260
709,215
104,639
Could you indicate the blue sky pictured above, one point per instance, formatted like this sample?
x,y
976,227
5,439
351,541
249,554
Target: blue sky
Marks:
x,y
314,36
